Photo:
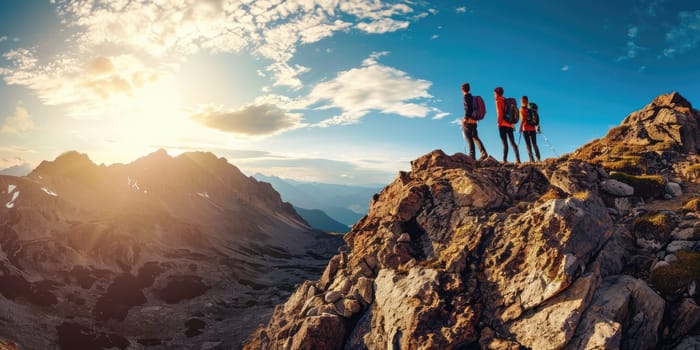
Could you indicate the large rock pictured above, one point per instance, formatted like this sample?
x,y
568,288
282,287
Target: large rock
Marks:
x,y
617,188
624,314
552,325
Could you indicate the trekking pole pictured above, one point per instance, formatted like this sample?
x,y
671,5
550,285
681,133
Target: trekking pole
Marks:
x,y
550,144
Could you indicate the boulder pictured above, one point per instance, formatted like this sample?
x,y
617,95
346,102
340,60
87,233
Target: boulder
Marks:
x,y
617,188
620,301
674,189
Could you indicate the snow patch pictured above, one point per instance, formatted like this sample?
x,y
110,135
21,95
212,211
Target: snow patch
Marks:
x,y
49,192
11,204
203,194
10,188
133,183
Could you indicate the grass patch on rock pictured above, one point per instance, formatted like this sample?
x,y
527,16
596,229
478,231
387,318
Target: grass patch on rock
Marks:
x,y
673,280
627,164
645,186
692,205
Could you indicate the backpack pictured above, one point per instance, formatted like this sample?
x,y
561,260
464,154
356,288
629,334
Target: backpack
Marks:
x,y
533,117
511,115
479,108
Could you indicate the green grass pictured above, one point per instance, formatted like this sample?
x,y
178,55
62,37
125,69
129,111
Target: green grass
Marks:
x,y
644,185
627,164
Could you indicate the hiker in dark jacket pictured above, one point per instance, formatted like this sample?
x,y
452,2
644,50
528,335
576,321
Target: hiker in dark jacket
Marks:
x,y
469,124
529,131
505,129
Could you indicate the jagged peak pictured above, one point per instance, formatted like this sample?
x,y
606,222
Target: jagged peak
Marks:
x,y
673,99
66,162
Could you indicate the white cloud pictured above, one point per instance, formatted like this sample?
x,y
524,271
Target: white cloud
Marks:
x,y
3,38
435,36
685,36
383,26
371,87
565,68
273,29
85,85
253,120
18,123
461,9
632,32
441,115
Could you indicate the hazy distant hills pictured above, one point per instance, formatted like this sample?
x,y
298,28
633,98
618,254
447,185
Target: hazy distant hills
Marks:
x,y
320,220
164,253
343,203
17,170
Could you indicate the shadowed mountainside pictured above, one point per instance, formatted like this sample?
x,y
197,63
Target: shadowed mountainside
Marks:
x,y
164,252
595,250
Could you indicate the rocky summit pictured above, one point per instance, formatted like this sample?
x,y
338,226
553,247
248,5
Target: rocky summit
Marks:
x,y
596,250
161,253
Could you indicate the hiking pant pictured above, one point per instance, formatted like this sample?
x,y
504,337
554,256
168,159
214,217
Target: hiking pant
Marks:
x,y
505,131
531,141
471,135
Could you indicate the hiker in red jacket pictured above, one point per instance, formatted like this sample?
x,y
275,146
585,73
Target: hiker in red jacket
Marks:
x,y
469,124
505,129
529,130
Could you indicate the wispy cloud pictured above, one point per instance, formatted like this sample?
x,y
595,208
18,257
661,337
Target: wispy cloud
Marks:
x,y
324,170
565,68
632,51
441,115
18,123
84,85
156,37
371,87
16,149
253,120
461,9
632,32
3,38
685,36
435,36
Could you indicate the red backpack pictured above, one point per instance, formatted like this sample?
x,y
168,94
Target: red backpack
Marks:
x,y
479,108
511,115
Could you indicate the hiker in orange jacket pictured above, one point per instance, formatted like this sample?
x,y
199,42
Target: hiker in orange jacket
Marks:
x,y
469,124
505,129
530,131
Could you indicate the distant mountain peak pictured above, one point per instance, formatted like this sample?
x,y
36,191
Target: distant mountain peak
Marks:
x,y
66,163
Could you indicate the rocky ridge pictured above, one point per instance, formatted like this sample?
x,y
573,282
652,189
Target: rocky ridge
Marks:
x,y
596,250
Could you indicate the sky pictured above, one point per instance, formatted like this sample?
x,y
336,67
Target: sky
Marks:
x,y
335,91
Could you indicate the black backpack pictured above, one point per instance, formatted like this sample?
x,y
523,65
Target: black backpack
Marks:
x,y
511,114
533,117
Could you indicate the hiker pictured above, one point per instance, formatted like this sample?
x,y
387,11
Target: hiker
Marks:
x,y
472,114
529,125
506,109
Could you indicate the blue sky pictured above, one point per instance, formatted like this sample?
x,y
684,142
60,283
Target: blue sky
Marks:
x,y
325,90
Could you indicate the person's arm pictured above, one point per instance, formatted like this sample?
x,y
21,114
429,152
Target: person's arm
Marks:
x,y
523,115
500,110
468,105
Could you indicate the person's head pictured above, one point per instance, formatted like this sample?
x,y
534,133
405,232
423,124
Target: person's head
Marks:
x,y
524,100
498,91
466,88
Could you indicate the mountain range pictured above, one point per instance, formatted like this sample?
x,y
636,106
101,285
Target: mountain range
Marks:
x,y
161,253
343,203
598,249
